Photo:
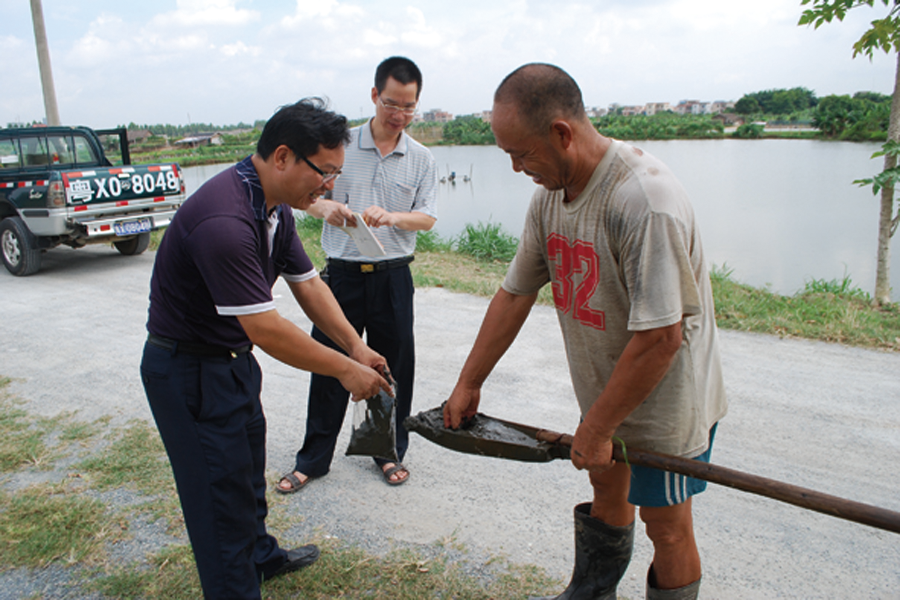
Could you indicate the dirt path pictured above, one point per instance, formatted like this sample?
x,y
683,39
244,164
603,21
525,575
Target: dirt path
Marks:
x,y
816,415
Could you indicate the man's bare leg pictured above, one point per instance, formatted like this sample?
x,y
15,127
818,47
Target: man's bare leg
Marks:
x,y
676,561
611,496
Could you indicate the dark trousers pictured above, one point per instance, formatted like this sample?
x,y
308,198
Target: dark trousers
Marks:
x,y
381,304
210,419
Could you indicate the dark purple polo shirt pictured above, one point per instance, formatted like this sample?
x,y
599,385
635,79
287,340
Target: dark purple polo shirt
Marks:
x,y
214,261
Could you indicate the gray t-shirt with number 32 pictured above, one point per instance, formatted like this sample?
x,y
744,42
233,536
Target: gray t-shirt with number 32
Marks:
x,y
626,256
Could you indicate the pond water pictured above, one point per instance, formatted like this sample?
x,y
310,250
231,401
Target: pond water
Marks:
x,y
776,212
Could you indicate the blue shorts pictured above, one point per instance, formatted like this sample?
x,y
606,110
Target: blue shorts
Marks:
x,y
655,488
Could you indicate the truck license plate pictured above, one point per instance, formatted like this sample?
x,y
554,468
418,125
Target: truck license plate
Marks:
x,y
132,227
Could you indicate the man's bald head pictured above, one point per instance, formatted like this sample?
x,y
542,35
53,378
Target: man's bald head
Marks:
x,y
541,93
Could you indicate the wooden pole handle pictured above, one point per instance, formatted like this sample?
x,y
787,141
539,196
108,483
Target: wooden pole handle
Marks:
x,y
841,508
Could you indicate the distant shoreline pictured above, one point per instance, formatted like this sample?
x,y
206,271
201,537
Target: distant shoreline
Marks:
x,y
209,155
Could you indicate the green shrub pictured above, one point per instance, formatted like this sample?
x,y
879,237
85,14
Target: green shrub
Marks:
x,y
838,287
749,131
308,225
487,241
430,241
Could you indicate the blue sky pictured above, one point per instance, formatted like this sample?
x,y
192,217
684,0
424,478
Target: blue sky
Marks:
x,y
226,61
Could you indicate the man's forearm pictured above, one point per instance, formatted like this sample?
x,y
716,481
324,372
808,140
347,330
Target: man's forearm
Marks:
x,y
319,304
318,209
284,341
414,221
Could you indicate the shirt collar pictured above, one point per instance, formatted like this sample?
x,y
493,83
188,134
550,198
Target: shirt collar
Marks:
x,y
250,178
367,142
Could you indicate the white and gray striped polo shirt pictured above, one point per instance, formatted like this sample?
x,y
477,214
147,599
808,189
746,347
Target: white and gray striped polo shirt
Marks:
x,y
403,181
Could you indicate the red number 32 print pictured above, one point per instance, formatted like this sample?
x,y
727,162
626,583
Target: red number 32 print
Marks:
x,y
575,259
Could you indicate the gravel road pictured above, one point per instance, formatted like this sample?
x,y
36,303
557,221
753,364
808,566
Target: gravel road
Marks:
x,y
816,415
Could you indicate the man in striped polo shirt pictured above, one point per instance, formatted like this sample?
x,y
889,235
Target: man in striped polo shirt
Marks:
x,y
391,180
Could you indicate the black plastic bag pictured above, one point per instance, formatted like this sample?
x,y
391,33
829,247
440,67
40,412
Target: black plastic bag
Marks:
x,y
374,430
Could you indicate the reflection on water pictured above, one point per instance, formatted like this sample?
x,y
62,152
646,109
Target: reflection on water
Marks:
x,y
195,176
777,212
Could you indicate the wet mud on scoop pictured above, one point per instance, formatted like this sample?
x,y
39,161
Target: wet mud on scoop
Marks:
x,y
485,436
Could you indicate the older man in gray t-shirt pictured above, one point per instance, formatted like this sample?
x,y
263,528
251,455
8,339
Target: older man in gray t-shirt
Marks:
x,y
614,232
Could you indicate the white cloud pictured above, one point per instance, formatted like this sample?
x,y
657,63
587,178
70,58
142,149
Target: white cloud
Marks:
x,y
240,48
198,13
102,40
378,38
419,33
10,43
310,10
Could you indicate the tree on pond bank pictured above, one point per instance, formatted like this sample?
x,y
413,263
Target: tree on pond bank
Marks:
x,y
863,117
883,35
776,102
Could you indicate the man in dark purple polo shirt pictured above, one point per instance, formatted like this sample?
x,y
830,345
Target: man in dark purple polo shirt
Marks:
x,y
210,303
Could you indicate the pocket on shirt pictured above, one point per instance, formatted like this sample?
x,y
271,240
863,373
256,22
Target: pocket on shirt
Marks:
x,y
403,196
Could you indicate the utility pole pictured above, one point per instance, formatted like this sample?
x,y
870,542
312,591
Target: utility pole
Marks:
x,y
43,52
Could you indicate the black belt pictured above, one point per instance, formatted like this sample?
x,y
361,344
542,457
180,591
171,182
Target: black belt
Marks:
x,y
196,348
369,267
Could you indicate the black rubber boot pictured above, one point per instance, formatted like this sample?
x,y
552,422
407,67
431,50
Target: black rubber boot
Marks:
x,y
602,553
687,592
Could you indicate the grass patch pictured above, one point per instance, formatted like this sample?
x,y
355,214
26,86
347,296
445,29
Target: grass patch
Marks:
x,y
486,242
22,438
310,231
831,311
40,525
837,287
135,459
156,237
309,227
347,572
430,241
341,572
80,431
172,574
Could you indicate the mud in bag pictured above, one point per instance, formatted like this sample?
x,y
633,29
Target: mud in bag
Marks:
x,y
374,431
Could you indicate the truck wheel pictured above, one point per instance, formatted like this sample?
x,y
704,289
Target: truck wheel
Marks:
x,y
18,245
135,245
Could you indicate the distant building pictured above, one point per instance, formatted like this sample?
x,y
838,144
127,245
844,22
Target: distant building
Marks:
x,y
684,107
201,139
729,119
630,111
436,115
689,107
138,135
657,107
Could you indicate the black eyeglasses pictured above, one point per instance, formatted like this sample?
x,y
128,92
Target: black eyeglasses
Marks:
x,y
326,177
